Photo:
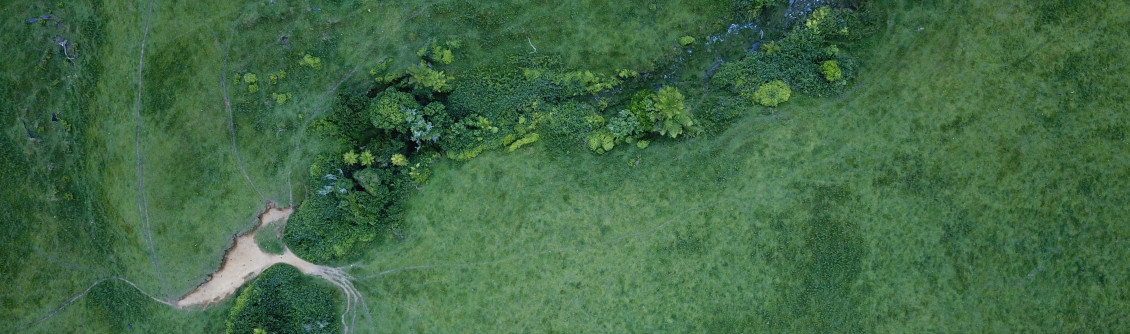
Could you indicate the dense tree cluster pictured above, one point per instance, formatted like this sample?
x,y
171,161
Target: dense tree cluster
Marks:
x,y
283,300
392,132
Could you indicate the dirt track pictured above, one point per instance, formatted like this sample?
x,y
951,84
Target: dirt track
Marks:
x,y
245,261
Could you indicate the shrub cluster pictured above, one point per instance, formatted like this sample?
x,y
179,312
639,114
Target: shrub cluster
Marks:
x,y
391,133
283,300
813,58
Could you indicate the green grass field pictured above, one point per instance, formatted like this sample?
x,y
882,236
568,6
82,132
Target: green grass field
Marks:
x,y
974,179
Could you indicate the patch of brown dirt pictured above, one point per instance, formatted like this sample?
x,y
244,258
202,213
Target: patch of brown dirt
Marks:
x,y
243,262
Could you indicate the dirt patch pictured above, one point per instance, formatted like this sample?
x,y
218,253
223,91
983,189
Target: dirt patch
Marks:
x,y
243,262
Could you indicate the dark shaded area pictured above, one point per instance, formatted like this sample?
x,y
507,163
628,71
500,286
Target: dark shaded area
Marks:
x,y
824,256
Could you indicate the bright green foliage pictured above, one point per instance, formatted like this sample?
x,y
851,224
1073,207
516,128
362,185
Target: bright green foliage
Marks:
x,y
686,40
771,48
529,138
663,112
601,141
642,144
817,18
641,106
310,61
422,76
350,158
670,116
627,74
274,79
444,55
389,110
283,300
281,98
840,24
438,53
367,158
399,160
252,82
772,93
831,70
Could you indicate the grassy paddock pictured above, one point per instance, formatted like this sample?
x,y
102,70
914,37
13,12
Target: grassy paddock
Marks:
x,y
972,182
72,213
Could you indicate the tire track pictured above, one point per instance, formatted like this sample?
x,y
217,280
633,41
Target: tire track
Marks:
x,y
70,301
231,123
142,204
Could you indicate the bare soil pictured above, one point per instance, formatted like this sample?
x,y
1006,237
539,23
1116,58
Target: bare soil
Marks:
x,y
243,262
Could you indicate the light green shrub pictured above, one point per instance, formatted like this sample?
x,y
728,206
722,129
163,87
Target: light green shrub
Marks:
x,y
772,93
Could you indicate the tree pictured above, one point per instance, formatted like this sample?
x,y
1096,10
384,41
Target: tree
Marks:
x,y
772,93
601,141
350,158
670,114
831,70
422,76
283,300
367,158
427,125
389,110
399,160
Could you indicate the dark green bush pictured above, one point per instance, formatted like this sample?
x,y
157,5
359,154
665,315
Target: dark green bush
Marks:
x,y
347,210
283,300
564,127
797,63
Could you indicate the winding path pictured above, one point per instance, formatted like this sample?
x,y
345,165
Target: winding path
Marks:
x,y
245,260
142,203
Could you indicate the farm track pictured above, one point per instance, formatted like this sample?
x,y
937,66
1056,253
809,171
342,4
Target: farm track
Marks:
x,y
142,204
231,128
75,298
